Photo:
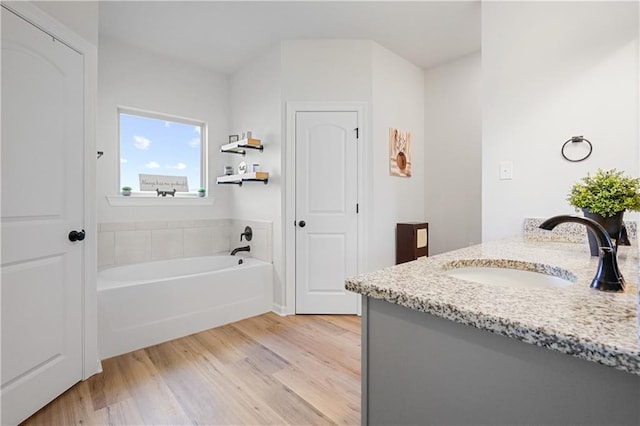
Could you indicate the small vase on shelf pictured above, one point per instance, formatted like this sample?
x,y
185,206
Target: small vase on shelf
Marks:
x,y
614,227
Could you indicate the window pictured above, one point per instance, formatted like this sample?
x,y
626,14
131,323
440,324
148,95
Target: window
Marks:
x,y
162,146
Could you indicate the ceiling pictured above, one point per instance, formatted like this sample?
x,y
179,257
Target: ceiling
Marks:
x,y
224,35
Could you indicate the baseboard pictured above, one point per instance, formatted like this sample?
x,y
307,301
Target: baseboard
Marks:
x,y
280,309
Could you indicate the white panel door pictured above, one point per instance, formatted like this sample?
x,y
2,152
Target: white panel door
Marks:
x,y
42,201
326,217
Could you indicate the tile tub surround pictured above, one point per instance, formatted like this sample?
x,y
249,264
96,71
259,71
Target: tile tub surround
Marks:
x,y
135,242
576,320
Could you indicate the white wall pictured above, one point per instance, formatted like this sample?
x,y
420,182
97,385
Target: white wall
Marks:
x,y
316,70
321,71
326,70
397,102
80,16
131,77
453,157
551,71
256,105
333,71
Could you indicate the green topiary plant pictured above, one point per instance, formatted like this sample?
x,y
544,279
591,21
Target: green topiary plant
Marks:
x,y
606,193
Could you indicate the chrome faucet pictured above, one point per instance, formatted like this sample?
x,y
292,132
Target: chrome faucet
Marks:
x,y
235,250
608,276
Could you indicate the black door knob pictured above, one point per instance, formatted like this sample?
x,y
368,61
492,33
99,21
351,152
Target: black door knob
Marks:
x,y
302,224
76,236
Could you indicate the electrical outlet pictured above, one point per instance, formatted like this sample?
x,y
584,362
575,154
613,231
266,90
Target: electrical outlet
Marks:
x,y
506,170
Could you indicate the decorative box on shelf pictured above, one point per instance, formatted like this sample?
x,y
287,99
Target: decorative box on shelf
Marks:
x,y
239,147
244,177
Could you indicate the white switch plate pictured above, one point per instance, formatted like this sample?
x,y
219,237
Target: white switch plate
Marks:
x,y
506,170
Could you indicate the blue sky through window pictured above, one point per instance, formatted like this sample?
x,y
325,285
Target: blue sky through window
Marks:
x,y
158,147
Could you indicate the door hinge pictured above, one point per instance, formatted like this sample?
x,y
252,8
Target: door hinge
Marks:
x,y
357,132
357,208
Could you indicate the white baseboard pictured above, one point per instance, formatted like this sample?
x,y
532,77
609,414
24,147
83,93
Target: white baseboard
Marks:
x,y
280,310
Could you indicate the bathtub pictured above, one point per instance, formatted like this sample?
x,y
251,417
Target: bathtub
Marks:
x,y
143,304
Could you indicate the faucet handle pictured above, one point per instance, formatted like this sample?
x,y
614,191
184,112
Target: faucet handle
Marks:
x,y
608,276
248,233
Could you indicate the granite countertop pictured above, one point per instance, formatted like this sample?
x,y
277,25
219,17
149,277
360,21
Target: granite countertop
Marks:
x,y
577,320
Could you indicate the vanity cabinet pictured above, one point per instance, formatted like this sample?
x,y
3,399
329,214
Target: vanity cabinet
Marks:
x,y
437,349
418,368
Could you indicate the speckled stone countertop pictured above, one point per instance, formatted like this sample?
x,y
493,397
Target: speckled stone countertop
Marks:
x,y
577,320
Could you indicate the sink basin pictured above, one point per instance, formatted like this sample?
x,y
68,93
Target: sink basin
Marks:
x,y
507,277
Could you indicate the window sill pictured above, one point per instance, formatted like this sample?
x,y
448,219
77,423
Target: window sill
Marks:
x,y
145,200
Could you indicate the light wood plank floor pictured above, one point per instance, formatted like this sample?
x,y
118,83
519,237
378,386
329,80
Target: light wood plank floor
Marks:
x,y
266,370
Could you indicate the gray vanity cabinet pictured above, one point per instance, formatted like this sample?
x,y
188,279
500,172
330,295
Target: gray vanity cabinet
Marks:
x,y
419,369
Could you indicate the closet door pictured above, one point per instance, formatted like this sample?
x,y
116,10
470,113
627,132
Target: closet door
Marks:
x,y
42,202
326,211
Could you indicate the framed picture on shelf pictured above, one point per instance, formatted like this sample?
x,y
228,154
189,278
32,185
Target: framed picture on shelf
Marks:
x,y
233,138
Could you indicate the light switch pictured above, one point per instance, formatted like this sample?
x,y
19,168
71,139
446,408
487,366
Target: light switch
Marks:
x,y
506,170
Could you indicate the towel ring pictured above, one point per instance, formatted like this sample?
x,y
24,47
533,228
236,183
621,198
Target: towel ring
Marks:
x,y
576,139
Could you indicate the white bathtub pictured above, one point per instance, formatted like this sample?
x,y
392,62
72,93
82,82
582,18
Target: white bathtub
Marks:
x,y
143,304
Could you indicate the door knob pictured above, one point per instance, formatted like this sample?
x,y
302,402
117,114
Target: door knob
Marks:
x,y
302,224
76,236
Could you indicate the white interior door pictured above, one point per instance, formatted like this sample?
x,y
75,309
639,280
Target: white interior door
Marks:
x,y
326,215
42,201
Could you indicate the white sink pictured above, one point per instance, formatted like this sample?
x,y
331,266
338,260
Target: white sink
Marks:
x,y
507,277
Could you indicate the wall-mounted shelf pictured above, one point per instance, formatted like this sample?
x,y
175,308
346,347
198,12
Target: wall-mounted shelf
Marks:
x,y
241,146
245,177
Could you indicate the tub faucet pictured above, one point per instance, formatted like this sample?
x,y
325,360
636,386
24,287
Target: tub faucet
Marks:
x,y
235,250
608,277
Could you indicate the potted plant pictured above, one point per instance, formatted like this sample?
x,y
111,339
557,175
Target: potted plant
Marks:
x,y
604,197
202,192
126,191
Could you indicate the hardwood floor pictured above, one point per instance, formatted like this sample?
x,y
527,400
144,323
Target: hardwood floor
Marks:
x,y
266,370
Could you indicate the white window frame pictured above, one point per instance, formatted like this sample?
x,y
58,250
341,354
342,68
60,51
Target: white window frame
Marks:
x,y
166,117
